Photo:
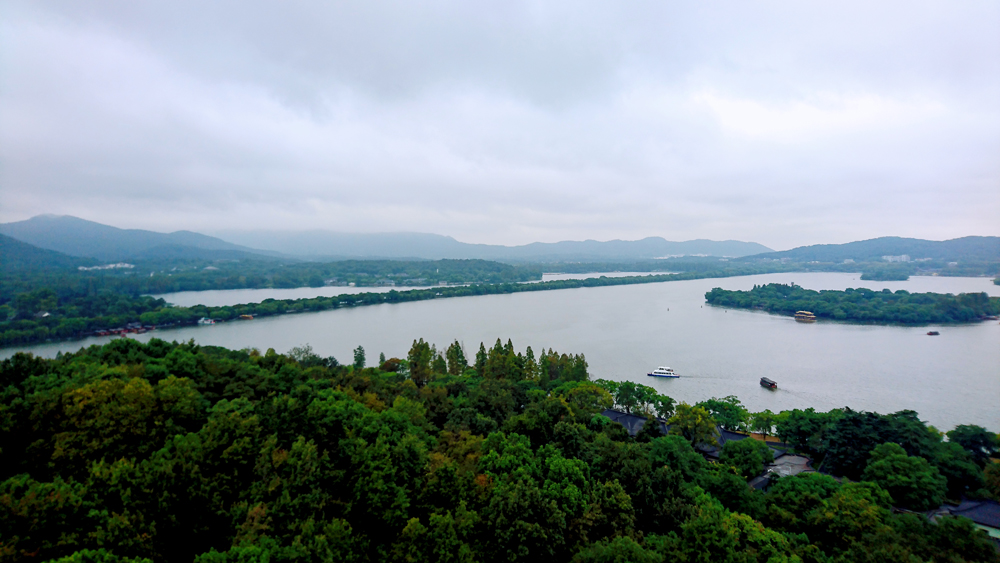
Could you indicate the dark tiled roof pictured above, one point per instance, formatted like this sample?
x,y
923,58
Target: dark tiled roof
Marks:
x,y
633,423
722,436
983,512
760,482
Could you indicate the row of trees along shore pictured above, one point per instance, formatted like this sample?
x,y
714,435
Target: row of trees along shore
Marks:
x,y
174,275
861,304
43,314
133,452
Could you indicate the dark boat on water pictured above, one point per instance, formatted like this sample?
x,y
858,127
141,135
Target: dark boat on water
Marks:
x,y
933,333
765,382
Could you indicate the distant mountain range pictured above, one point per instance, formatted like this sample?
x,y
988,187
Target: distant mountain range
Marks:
x,y
82,238
972,249
334,245
79,237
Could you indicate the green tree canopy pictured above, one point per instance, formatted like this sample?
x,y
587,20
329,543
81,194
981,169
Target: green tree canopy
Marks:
x,y
165,452
695,424
911,481
763,422
359,358
978,441
748,456
635,398
728,411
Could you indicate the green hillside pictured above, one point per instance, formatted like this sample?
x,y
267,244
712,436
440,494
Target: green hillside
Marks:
x,y
973,249
79,237
20,256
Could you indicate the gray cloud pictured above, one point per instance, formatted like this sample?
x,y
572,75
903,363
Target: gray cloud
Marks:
x,y
507,123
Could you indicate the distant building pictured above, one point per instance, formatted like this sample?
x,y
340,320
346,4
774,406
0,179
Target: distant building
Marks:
x,y
900,258
119,265
784,465
849,261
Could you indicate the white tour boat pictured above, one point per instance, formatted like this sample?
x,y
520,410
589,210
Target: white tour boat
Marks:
x,y
662,372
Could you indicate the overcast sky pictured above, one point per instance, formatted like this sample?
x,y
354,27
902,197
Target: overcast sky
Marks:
x,y
785,123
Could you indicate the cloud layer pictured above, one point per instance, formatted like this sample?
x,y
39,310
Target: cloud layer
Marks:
x,y
507,122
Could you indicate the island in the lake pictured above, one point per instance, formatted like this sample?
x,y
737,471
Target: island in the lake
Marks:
x,y
863,305
886,274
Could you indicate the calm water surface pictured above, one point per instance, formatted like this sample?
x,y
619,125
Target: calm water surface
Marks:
x,y
224,297
626,331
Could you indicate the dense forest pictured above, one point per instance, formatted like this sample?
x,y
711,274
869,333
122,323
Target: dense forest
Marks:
x,y
861,304
154,277
177,452
43,314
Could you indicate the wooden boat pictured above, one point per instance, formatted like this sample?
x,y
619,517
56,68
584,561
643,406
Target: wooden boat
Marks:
x,y
765,382
805,317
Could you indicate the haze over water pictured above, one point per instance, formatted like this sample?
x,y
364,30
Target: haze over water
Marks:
x,y
626,331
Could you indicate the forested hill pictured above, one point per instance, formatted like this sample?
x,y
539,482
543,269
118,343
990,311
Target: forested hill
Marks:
x,y
132,453
973,249
78,237
17,256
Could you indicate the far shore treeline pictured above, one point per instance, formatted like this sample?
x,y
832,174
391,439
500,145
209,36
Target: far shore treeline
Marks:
x,y
173,275
861,305
42,315
140,452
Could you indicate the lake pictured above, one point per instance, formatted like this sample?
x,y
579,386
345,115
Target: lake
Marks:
x,y
224,297
626,331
